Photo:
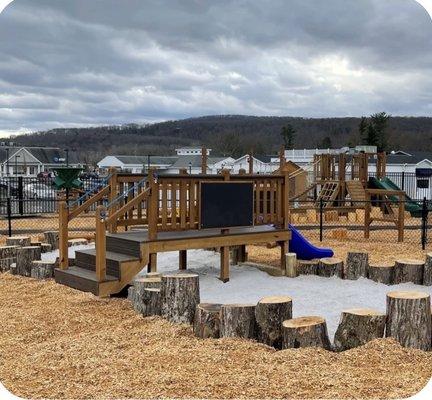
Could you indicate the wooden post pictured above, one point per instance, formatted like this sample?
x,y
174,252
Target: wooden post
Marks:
x,y
111,196
204,160
224,268
291,265
367,218
401,217
183,259
100,244
282,159
250,162
153,206
63,235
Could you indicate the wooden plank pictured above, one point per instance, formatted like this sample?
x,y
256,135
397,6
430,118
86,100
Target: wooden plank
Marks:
x,y
265,201
272,202
257,201
192,208
173,205
164,206
183,203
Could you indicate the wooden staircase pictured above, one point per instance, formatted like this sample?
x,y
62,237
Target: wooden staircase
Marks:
x,y
123,262
356,191
328,194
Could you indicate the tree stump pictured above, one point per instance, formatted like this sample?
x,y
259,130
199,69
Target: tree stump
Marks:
x,y
6,263
154,275
307,267
270,312
356,265
46,247
77,242
137,295
13,269
25,258
151,302
291,265
331,266
409,319
305,332
21,241
382,273
8,251
207,320
427,273
409,271
238,320
357,327
180,296
52,237
42,269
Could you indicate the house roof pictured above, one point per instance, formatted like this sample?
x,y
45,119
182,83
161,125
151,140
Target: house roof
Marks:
x,y
414,157
46,155
143,160
194,161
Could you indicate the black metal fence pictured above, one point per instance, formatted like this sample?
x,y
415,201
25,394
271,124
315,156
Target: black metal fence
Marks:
x,y
27,196
345,221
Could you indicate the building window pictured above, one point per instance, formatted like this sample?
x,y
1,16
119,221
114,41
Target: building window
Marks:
x,y
422,183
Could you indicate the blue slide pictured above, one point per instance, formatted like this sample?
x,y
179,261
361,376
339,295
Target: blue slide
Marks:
x,y
304,249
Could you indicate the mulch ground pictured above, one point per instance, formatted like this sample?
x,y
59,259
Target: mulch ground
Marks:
x,y
59,343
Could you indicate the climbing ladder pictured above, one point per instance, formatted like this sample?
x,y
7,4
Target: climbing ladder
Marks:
x,y
328,194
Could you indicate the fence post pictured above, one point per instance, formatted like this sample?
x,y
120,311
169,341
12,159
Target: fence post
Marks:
x,y
321,208
424,223
403,180
20,196
9,216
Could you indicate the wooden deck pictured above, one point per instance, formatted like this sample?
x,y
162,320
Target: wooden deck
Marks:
x,y
127,253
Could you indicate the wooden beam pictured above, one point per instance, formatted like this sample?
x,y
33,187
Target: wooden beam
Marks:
x,y
100,244
204,160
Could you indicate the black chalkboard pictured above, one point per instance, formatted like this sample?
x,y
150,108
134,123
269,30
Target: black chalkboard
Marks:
x,y
226,204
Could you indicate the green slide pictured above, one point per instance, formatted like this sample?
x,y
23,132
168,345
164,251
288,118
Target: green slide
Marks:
x,y
385,183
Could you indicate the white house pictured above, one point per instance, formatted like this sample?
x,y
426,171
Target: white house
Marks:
x,y
29,161
136,164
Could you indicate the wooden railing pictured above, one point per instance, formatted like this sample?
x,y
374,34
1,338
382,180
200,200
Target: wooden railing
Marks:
x,y
166,203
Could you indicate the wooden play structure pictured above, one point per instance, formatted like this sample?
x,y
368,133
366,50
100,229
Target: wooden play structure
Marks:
x,y
139,216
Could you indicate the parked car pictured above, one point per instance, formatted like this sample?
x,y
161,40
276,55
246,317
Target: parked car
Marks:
x,y
13,187
39,191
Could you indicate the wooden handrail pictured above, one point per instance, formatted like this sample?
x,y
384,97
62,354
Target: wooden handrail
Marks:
x,y
128,206
88,203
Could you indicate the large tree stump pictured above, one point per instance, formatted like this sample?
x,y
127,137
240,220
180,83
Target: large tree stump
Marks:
x,y
305,332
151,302
21,241
13,269
207,320
270,312
25,258
42,269
409,271
427,273
291,265
52,237
409,319
238,320
180,296
357,327
6,263
307,267
382,272
331,266
356,265
8,251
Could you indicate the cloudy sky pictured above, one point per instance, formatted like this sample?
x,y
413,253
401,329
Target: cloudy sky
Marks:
x,y
84,62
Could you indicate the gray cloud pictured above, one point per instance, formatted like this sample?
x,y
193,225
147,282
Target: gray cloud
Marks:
x,y
80,62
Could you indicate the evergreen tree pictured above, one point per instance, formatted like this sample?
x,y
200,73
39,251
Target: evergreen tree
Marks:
x,y
372,136
288,134
379,121
363,130
326,143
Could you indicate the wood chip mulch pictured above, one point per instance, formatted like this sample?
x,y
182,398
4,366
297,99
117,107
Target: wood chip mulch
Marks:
x,y
59,343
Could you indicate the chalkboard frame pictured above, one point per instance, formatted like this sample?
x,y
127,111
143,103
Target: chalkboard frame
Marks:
x,y
245,182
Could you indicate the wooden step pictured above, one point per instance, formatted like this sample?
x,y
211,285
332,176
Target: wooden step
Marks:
x,y
81,279
356,190
86,259
128,245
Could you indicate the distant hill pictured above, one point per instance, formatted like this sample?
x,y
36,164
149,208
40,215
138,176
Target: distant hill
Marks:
x,y
226,135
